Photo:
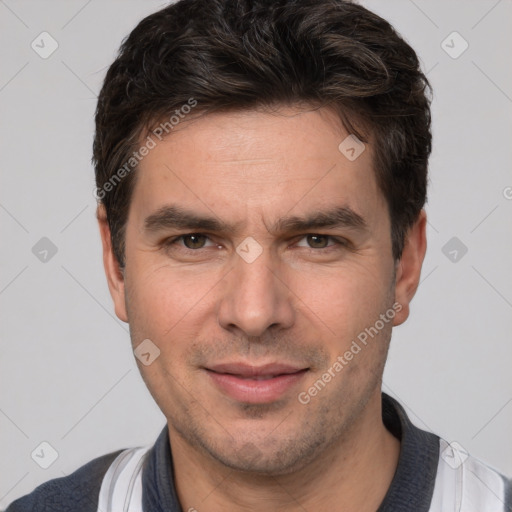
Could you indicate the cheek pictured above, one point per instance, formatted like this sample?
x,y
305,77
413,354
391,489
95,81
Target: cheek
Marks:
x,y
161,290
167,306
149,305
344,301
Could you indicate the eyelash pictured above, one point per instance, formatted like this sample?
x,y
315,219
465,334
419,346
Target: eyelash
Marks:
x,y
338,242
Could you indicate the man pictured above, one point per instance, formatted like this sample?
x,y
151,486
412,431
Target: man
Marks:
x,y
261,171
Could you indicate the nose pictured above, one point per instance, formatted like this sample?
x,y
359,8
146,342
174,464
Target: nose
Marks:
x,y
256,297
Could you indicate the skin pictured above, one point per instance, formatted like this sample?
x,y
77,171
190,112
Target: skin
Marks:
x,y
302,301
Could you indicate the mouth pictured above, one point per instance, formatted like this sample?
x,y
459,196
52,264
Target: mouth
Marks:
x,y
255,384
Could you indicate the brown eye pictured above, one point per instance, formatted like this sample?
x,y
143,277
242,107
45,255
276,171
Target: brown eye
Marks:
x,y
318,241
194,241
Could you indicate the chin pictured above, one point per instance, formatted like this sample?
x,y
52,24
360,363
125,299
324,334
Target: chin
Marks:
x,y
267,457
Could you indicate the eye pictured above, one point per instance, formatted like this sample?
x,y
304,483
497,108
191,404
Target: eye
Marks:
x,y
192,241
314,241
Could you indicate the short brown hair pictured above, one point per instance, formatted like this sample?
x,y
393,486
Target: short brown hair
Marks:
x,y
227,55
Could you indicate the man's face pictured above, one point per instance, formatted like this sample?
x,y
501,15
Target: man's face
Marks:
x,y
246,326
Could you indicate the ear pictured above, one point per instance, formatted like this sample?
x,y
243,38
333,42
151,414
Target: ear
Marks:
x,y
115,276
409,267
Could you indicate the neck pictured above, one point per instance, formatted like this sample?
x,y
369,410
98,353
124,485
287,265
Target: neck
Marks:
x,y
352,475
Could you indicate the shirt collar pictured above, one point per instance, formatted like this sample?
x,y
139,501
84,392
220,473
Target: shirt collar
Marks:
x,y
412,486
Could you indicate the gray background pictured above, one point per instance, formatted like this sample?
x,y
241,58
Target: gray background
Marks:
x,y
67,374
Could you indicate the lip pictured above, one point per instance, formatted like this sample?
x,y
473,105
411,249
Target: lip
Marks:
x,y
255,384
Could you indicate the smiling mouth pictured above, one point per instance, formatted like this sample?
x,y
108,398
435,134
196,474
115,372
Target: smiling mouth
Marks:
x,y
258,377
250,384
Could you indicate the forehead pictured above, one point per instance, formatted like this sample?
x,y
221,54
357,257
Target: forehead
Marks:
x,y
258,164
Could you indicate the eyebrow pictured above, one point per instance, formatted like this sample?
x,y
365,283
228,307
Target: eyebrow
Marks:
x,y
341,216
175,217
